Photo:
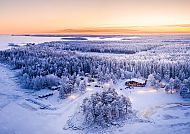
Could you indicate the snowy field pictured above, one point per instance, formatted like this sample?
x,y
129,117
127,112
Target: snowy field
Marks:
x,y
23,112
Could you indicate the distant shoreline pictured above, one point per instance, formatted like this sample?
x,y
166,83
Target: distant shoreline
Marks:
x,y
69,35
98,35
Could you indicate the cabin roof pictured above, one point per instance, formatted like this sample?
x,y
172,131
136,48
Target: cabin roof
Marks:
x,y
136,80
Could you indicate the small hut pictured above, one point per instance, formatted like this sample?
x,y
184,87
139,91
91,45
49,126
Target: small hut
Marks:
x,y
135,82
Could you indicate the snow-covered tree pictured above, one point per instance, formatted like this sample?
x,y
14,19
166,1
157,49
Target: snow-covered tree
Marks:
x,y
105,108
157,84
62,92
82,86
185,91
52,80
138,75
167,88
167,76
151,81
26,79
177,84
171,83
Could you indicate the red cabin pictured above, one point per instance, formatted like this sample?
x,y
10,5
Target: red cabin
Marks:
x,y
135,82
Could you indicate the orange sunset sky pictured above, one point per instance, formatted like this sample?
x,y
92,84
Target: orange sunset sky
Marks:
x,y
94,16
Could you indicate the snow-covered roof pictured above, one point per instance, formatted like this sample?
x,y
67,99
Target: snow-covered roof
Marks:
x,y
136,80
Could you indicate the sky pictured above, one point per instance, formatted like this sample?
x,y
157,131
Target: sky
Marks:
x,y
94,16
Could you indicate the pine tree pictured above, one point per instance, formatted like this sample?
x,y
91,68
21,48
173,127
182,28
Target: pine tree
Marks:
x,y
151,81
82,86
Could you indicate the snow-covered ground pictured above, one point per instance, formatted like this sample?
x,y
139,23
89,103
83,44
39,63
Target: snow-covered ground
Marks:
x,y
167,113
22,112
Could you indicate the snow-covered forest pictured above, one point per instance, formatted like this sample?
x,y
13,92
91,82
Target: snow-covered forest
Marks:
x,y
56,64
89,76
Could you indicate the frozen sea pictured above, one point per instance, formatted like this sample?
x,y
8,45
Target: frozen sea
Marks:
x,y
22,40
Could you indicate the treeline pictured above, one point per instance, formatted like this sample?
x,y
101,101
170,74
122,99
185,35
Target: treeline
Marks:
x,y
116,47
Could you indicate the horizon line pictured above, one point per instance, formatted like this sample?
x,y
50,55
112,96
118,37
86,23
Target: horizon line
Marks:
x,y
156,29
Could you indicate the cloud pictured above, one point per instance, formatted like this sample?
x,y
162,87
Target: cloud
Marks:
x,y
105,30
181,28
184,25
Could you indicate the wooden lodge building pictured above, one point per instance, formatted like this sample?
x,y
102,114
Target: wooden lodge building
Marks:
x,y
135,82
